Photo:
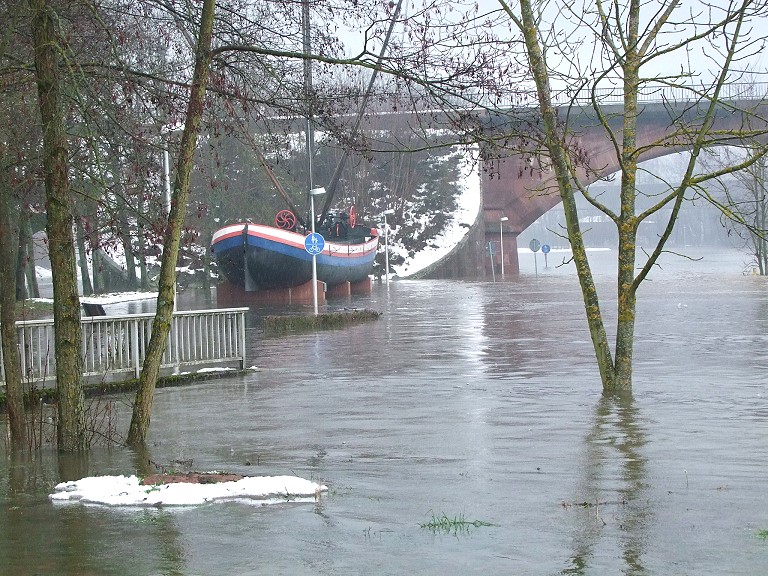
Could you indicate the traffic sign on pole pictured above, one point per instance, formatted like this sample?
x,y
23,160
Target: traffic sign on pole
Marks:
x,y
314,243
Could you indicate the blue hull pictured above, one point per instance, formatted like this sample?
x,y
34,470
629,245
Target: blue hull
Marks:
x,y
256,257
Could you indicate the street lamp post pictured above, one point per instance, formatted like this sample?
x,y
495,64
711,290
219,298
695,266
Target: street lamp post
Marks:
x,y
386,241
312,193
501,241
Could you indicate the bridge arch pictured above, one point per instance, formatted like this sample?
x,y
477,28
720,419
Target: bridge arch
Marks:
x,y
522,190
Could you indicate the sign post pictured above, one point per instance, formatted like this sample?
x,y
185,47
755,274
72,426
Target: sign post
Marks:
x,y
386,240
492,253
535,246
314,243
501,241
545,250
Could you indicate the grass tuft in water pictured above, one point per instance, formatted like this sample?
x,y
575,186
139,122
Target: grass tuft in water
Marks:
x,y
762,534
443,523
281,325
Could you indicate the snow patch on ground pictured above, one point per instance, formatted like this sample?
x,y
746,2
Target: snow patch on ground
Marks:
x,y
118,297
127,491
113,298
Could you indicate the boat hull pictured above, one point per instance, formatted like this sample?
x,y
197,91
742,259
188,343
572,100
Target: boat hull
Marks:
x,y
257,257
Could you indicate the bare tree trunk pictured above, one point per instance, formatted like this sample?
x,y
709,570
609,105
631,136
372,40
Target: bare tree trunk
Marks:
x,y
14,397
143,272
125,238
85,276
206,239
94,242
21,265
627,222
71,434
121,205
32,286
560,164
762,211
161,325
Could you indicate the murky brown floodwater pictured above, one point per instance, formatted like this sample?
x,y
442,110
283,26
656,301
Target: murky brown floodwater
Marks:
x,y
473,400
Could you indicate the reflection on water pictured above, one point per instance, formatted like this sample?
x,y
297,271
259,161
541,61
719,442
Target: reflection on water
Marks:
x,y
613,479
37,537
473,399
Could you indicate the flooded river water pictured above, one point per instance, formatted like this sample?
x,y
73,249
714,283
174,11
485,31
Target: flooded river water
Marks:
x,y
468,401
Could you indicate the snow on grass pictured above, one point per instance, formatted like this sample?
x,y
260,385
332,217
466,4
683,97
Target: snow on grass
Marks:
x,y
118,297
127,491
112,298
216,369
458,227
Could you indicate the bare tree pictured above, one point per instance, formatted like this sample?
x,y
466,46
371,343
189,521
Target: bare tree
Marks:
x,y
742,198
10,340
161,325
9,240
624,39
71,432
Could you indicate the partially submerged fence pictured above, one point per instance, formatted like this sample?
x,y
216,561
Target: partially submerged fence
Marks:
x,y
115,345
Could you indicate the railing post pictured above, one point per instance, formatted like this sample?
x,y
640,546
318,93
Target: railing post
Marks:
x,y
176,355
135,347
241,322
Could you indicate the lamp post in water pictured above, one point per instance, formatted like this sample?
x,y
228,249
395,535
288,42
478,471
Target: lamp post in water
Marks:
x,y
386,241
501,241
312,193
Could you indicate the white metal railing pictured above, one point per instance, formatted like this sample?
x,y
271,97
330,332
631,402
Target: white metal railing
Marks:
x,y
115,345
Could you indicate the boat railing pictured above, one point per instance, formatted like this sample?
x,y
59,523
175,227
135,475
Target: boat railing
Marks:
x,y
115,346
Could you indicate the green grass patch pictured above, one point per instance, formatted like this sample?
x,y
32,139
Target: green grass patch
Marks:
x,y
281,325
762,534
444,523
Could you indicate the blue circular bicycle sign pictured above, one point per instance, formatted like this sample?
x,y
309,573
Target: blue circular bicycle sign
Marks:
x,y
314,243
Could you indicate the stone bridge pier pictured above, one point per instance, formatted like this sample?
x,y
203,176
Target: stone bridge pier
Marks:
x,y
515,189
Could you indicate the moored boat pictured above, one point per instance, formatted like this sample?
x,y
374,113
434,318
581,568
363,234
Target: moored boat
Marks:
x,y
258,257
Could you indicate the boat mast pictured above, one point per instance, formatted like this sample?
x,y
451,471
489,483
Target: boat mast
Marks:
x,y
331,190
309,133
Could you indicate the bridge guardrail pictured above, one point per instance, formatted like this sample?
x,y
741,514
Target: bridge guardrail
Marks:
x,y
649,93
115,345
